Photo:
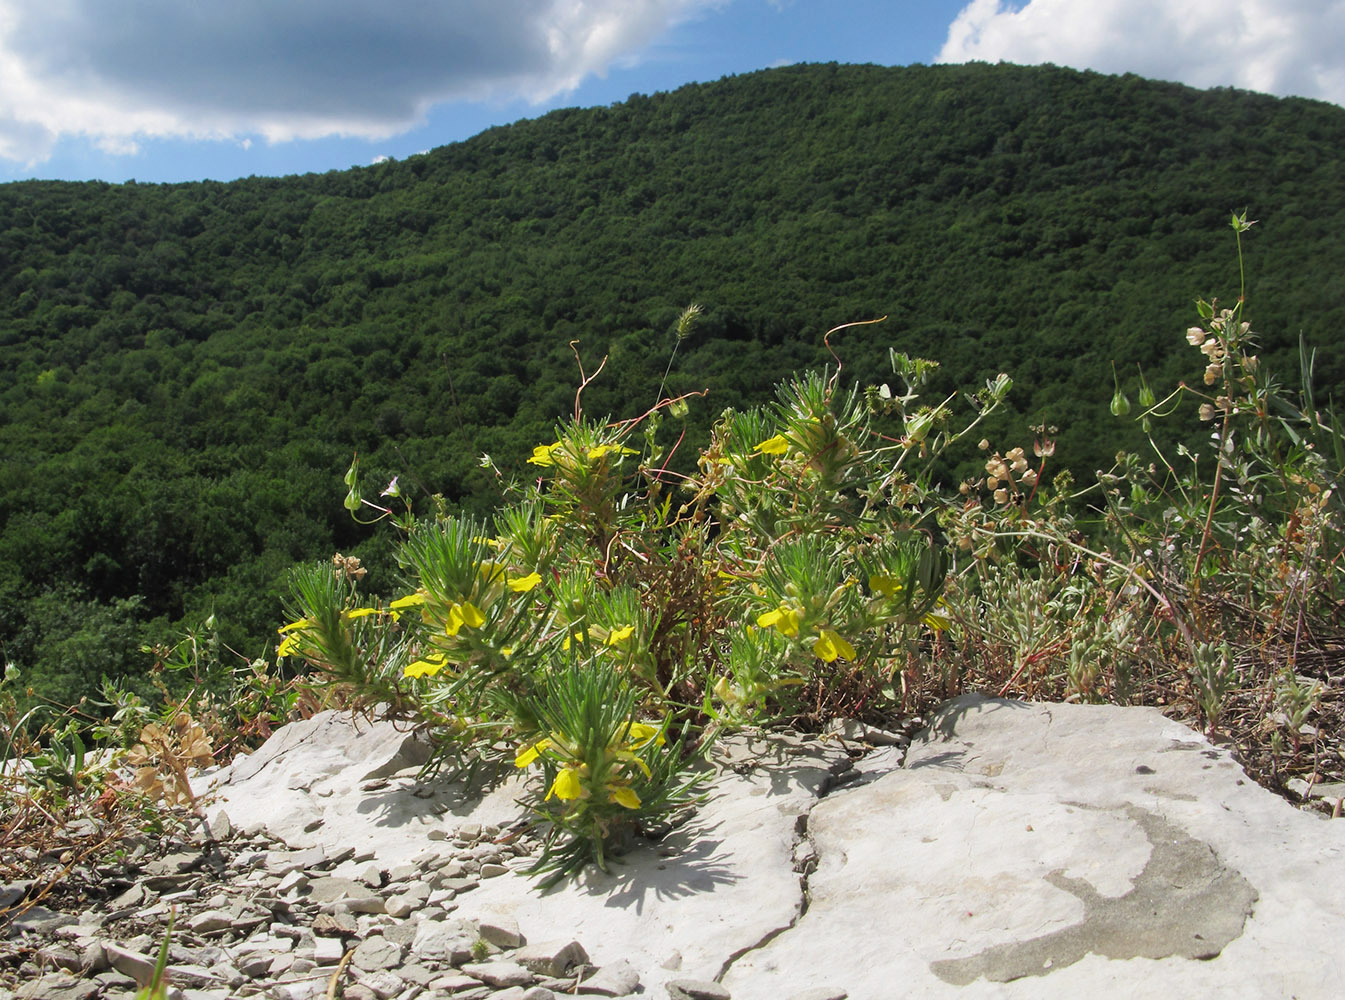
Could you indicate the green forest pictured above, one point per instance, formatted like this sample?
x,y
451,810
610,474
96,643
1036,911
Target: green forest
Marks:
x,y
186,370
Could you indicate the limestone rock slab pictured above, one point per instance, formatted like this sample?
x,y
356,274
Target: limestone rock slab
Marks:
x,y
1028,850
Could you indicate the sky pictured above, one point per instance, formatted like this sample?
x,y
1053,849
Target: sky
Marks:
x,y
181,90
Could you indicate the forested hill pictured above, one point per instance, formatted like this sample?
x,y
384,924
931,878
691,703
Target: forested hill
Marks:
x,y
186,370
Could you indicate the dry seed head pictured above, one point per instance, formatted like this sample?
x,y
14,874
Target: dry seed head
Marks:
x,y
349,567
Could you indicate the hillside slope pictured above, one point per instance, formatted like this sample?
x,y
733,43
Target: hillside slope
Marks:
x,y
185,370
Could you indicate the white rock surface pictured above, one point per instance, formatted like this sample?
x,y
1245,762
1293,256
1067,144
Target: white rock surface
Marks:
x,y
1063,850
1019,851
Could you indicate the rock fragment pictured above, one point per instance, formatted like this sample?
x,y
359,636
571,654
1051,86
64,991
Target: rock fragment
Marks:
x,y
551,958
697,989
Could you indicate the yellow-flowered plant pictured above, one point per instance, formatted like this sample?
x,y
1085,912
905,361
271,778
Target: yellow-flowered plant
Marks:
x,y
346,641
603,769
605,597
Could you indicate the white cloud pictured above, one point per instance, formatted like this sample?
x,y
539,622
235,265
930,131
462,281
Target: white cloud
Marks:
x,y
1283,47
116,73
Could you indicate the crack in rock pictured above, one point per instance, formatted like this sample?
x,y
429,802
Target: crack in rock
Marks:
x,y
805,866
842,773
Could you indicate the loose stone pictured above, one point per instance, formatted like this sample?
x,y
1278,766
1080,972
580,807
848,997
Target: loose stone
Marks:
x,y
697,989
551,958
376,953
616,979
501,974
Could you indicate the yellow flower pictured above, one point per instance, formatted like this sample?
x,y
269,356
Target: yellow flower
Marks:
x,y
726,692
410,600
596,453
620,634
541,455
785,618
576,636
526,755
777,445
887,586
361,612
428,666
830,646
291,642
462,614
623,795
567,786
939,619
643,732
522,584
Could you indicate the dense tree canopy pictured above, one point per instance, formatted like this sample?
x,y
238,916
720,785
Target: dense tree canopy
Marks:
x,y
186,370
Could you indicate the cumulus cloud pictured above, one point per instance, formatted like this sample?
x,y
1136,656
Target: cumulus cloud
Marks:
x,y
293,69
1283,47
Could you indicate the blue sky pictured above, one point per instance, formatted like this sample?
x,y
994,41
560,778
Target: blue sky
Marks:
x,y
174,90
